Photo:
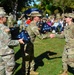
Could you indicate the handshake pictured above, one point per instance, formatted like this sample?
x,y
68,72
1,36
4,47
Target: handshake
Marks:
x,y
52,35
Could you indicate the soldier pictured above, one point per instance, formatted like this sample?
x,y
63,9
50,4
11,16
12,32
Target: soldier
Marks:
x,y
10,20
68,34
7,61
33,31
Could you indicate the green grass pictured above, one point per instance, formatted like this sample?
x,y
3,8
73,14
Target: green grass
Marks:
x,y
48,53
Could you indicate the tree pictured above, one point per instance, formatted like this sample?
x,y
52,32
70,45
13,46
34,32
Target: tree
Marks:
x,y
52,5
72,4
63,4
45,6
10,5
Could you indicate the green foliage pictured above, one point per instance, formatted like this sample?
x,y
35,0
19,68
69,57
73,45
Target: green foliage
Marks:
x,y
44,4
61,4
72,4
56,11
9,5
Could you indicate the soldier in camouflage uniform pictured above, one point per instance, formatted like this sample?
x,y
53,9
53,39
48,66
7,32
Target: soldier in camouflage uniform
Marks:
x,y
7,61
10,20
33,31
68,34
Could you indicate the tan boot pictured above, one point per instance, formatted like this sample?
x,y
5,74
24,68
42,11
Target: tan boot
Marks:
x,y
34,73
64,73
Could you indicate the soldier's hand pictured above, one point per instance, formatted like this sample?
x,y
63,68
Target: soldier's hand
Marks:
x,y
52,35
7,30
21,41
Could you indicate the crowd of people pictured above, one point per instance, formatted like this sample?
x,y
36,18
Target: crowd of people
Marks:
x,y
35,26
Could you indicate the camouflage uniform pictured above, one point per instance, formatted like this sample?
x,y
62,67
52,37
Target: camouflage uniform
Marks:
x,y
10,20
68,53
33,31
7,62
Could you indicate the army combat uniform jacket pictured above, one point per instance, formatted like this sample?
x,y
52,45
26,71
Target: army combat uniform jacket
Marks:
x,y
5,41
33,31
68,53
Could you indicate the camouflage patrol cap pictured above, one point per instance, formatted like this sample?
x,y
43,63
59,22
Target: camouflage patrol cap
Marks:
x,y
69,15
35,13
2,12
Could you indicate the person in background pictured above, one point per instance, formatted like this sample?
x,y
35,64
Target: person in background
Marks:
x,y
19,22
10,20
7,61
28,21
68,34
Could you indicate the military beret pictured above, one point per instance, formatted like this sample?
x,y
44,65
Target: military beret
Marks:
x,y
35,13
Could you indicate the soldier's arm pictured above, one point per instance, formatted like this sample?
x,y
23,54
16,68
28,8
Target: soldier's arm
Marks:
x,y
60,35
15,42
57,35
71,36
5,28
37,33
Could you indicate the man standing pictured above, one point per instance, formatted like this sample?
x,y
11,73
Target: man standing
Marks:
x,y
7,61
33,31
68,34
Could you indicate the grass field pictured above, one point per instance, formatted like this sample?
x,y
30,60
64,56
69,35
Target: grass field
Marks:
x,y
48,53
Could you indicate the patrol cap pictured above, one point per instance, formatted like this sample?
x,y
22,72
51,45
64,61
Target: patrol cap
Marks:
x,y
2,12
35,13
69,15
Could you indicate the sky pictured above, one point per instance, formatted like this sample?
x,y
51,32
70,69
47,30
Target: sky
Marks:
x,y
35,2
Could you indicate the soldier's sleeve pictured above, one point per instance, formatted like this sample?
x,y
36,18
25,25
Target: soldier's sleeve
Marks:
x,y
37,33
5,28
71,40
5,39
13,43
60,35
72,36
73,31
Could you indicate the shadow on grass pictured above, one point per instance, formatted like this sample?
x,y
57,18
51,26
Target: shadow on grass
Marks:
x,y
18,55
39,59
19,71
71,70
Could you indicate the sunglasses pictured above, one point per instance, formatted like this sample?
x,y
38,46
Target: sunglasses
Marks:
x,y
67,17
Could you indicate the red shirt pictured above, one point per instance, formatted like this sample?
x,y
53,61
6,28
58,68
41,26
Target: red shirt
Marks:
x,y
28,21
